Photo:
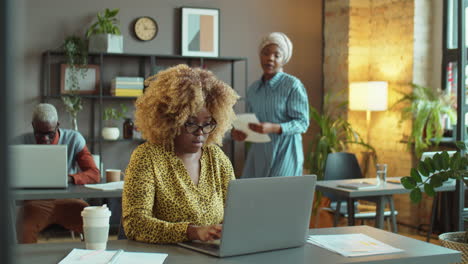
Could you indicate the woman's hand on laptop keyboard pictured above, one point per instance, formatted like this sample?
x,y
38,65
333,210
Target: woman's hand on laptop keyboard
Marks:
x,y
204,233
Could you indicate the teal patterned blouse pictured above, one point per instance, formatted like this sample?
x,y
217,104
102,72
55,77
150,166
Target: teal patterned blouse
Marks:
x,y
282,100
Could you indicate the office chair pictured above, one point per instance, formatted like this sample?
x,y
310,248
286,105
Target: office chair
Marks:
x,y
341,166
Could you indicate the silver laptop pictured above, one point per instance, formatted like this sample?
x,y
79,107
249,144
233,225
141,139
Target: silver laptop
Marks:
x,y
38,166
263,214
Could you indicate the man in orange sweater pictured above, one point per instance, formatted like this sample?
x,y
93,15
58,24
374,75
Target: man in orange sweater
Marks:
x,y
36,215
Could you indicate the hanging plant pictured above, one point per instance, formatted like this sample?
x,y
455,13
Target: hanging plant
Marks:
x,y
76,57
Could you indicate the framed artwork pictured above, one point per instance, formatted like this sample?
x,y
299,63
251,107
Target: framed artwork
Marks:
x,y
200,32
88,83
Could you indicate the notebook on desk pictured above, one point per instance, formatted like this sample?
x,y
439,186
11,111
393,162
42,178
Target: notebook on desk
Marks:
x,y
263,214
362,185
38,166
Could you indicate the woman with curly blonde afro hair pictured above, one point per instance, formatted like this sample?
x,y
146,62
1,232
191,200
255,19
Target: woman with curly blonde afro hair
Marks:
x,y
176,182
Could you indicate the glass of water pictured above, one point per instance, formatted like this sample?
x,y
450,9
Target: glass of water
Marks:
x,y
381,174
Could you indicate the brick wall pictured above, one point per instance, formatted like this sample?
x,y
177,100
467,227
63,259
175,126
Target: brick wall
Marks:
x,y
380,40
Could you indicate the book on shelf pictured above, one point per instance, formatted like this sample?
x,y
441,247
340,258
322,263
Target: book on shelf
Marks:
x,y
126,92
127,86
129,79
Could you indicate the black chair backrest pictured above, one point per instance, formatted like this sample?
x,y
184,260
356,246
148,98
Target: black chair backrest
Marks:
x,y
340,166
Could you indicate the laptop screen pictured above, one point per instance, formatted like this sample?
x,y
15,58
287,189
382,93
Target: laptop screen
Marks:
x,y
38,166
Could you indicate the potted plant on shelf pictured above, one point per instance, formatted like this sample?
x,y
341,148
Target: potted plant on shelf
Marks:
x,y
432,173
104,35
428,108
111,115
76,57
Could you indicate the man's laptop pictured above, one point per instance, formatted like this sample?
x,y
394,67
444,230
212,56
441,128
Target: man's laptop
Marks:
x,y
263,214
38,166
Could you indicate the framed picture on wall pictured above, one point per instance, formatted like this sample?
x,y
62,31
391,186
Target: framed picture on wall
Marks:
x,y
88,82
200,32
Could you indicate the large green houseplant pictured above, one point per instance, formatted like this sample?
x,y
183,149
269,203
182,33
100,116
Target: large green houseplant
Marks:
x,y
335,134
432,173
428,109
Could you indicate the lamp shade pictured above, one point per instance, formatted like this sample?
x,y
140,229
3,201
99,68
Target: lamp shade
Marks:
x,y
368,96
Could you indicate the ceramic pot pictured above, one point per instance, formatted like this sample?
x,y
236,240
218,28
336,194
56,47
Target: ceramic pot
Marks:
x,y
110,133
107,43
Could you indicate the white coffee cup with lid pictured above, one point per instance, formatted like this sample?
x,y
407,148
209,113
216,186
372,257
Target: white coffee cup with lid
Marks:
x,y
96,226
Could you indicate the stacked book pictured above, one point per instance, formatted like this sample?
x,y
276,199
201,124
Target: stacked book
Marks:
x,y
127,86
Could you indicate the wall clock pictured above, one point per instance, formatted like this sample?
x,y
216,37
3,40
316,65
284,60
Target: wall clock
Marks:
x,y
145,28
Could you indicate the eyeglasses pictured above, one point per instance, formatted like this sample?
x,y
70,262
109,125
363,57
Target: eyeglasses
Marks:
x,y
49,134
206,128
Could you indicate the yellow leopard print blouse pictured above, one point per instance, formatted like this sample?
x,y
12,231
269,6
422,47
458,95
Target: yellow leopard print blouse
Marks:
x,y
160,199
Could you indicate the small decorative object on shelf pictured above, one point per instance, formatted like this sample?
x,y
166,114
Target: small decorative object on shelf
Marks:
x,y
200,32
105,35
111,115
145,28
128,129
127,86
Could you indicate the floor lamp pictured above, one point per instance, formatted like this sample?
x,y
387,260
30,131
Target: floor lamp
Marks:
x,y
368,96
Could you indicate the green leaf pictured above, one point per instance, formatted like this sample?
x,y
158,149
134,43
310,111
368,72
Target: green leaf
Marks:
x,y
445,160
408,182
416,195
455,162
422,169
112,13
437,161
437,179
429,165
415,175
461,145
429,190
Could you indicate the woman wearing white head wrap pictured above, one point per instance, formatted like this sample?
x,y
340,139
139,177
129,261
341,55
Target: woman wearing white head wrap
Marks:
x,y
279,101
282,41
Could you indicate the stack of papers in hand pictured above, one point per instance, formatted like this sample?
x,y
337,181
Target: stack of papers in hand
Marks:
x,y
106,186
352,245
242,123
101,256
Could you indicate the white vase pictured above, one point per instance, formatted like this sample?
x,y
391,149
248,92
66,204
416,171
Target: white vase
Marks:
x,y
110,133
106,43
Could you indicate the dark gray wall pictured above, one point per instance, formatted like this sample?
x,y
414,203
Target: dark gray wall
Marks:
x,y
42,25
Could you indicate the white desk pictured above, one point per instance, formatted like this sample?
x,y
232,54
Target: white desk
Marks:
x,y
73,191
380,195
415,251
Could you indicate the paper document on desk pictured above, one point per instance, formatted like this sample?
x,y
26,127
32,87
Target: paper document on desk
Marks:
x,y
77,256
106,186
242,123
358,185
352,245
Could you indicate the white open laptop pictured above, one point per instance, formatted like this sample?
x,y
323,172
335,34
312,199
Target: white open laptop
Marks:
x,y
38,166
263,214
